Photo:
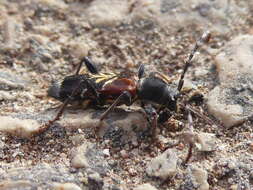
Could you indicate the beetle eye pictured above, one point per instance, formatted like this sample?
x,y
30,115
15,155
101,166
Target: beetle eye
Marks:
x,y
176,96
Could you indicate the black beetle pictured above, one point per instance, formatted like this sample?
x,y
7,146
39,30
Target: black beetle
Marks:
x,y
157,96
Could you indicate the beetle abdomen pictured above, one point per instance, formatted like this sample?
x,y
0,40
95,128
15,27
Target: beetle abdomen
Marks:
x,y
62,91
54,90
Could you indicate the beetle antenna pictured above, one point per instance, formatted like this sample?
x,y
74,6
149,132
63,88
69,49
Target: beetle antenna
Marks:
x,y
204,39
79,67
90,65
141,71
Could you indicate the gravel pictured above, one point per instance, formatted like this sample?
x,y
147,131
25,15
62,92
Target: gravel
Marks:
x,y
42,41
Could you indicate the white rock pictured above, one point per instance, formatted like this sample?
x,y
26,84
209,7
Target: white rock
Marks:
x,y
144,9
106,152
18,127
78,159
44,30
235,58
122,120
199,177
17,184
100,12
65,186
164,165
55,3
79,119
4,95
10,84
206,141
89,156
145,186
9,33
188,85
230,115
230,102
78,50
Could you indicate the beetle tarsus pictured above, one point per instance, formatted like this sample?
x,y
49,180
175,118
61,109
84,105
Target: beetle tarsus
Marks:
x,y
190,140
189,154
152,116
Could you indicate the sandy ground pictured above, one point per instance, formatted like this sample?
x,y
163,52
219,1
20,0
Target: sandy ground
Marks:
x,y
43,41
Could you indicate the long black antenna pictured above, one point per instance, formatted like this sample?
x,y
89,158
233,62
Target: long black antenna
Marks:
x,y
204,39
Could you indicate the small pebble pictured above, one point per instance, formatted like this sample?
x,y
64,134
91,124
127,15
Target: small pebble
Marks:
x,y
145,186
164,165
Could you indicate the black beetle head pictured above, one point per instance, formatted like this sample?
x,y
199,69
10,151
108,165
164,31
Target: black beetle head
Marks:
x,y
171,96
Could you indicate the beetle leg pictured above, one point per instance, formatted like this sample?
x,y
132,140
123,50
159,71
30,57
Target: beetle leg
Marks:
x,y
90,66
190,141
189,154
66,102
46,126
125,97
93,91
152,117
163,115
187,137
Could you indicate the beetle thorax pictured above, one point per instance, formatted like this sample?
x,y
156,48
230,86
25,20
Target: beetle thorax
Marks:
x,y
155,90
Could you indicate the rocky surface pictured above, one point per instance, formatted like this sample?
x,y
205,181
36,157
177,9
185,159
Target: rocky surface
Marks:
x,y
164,165
231,100
42,41
145,187
17,127
196,178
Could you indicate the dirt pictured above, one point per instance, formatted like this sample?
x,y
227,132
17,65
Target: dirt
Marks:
x,y
43,41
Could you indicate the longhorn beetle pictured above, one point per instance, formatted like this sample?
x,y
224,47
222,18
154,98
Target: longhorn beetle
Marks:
x,y
157,96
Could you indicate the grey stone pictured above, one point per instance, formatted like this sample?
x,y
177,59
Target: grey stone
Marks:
x,y
42,176
21,128
10,81
5,96
235,59
236,169
65,186
216,14
230,101
16,184
196,178
89,156
100,14
120,127
206,142
200,177
9,34
164,165
230,114
95,182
